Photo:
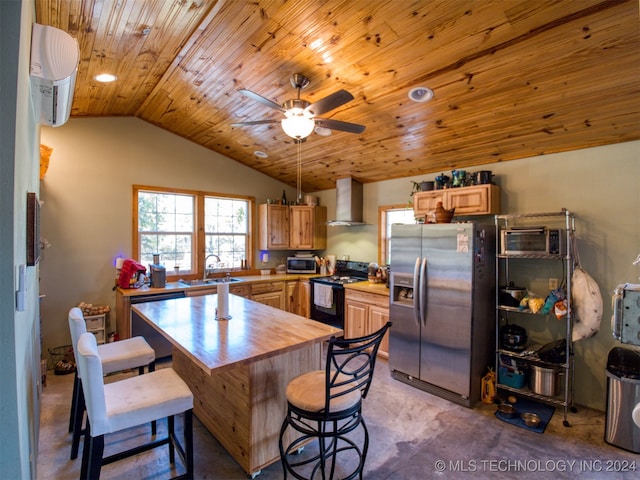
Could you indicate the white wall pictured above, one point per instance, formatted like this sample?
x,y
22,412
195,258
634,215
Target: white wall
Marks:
x,y
600,185
87,211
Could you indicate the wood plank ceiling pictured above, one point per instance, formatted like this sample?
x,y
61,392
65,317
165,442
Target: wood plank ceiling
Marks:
x,y
512,78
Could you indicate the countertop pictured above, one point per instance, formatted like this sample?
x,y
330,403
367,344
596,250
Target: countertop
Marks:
x,y
368,287
254,332
176,286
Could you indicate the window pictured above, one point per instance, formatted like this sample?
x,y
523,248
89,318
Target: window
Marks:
x,y
388,215
183,227
226,229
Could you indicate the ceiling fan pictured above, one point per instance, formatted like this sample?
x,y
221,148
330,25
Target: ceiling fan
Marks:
x,y
300,115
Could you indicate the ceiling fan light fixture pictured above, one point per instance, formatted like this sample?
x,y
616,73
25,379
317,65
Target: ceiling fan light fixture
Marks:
x,y
297,123
421,94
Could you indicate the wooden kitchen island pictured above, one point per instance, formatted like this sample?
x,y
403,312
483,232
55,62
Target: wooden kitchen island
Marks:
x,y
238,369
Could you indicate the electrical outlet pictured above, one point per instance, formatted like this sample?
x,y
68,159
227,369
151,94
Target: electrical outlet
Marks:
x,y
553,283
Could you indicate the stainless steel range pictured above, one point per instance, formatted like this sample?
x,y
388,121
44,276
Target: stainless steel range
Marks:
x,y
327,293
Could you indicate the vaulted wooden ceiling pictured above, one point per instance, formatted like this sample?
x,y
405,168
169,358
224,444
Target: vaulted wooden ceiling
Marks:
x,y
512,78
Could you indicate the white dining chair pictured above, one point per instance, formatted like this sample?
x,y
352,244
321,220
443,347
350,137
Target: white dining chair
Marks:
x,y
118,356
129,403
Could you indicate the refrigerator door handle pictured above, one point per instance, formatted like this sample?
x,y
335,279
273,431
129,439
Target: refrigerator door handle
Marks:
x,y
423,292
416,284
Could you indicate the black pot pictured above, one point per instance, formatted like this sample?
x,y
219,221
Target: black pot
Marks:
x,y
513,337
426,186
482,177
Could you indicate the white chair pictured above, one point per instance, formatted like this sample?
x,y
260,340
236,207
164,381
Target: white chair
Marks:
x,y
117,356
128,403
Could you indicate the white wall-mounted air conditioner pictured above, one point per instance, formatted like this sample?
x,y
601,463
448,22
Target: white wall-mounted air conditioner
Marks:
x,y
54,65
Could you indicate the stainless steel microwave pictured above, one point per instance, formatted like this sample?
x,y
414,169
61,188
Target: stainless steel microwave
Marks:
x,y
301,265
533,241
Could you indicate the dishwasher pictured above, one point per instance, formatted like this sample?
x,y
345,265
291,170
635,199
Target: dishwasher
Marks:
x,y
139,327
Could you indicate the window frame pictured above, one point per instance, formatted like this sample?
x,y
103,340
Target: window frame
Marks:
x,y
383,241
199,233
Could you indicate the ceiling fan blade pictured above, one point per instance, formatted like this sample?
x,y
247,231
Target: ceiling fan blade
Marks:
x,y
338,125
329,102
254,122
261,99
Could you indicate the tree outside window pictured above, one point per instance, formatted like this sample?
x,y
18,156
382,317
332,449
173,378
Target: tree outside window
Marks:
x,y
183,227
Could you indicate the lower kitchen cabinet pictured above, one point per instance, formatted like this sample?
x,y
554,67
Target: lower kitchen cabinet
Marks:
x,y
269,293
291,296
365,313
240,289
297,297
303,298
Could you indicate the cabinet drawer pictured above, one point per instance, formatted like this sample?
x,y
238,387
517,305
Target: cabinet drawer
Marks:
x,y
99,336
367,298
267,287
241,290
95,322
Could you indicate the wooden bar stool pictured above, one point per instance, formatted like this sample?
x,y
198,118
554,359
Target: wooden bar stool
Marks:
x,y
126,354
326,405
128,403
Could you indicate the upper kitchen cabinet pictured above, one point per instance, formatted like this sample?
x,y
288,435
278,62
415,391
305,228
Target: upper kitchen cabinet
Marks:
x,y
292,227
473,200
307,227
274,227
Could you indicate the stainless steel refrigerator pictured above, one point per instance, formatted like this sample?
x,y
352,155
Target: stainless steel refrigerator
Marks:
x,y
442,305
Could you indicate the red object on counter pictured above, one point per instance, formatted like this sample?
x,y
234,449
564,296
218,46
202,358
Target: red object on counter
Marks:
x,y
129,270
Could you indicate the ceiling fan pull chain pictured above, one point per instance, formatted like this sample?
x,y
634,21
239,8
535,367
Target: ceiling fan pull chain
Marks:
x,y
299,173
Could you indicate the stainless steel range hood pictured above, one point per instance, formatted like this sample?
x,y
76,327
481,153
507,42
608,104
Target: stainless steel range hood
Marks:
x,y
348,203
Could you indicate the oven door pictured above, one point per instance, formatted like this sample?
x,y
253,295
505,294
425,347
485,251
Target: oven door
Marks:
x,y
329,312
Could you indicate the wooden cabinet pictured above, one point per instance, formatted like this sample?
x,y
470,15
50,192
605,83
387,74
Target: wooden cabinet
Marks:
x,y
291,296
307,227
284,227
365,313
273,228
269,293
473,200
303,298
425,202
240,289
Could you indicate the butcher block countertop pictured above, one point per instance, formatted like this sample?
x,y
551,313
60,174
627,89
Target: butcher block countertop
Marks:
x,y
368,287
254,332
177,286
239,369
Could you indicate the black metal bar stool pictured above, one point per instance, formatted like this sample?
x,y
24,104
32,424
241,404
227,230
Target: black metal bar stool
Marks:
x,y
325,406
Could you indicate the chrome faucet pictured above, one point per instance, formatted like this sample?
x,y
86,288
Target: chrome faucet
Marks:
x,y
205,263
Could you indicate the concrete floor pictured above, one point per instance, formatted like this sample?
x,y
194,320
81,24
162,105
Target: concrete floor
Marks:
x,y
413,435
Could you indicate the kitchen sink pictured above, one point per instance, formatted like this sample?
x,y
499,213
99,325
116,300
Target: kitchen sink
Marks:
x,y
208,281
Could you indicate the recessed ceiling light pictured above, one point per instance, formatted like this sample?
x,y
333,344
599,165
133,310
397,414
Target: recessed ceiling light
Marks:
x,y
106,78
325,132
420,94
260,154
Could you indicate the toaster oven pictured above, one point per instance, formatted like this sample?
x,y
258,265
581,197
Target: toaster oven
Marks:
x,y
533,241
